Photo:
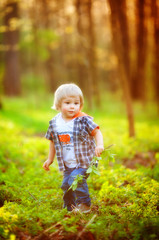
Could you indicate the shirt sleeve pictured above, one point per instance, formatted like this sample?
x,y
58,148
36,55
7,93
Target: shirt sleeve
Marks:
x,y
49,134
91,125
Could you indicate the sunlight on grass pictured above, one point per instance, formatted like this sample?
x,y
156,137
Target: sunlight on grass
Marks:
x,y
31,199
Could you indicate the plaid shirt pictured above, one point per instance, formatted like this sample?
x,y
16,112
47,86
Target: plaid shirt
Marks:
x,y
84,143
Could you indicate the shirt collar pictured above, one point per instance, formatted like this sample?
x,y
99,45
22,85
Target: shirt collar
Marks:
x,y
80,114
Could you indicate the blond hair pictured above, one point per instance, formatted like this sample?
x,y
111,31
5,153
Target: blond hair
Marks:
x,y
67,90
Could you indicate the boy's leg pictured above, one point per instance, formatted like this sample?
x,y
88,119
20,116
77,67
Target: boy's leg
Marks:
x,y
81,192
69,196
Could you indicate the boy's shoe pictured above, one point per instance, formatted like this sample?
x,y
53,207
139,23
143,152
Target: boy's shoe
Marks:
x,y
83,208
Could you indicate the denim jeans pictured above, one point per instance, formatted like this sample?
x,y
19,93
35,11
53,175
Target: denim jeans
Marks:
x,y
81,194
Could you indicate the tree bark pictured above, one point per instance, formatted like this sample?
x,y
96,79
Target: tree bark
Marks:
x,y
12,84
92,55
49,63
155,15
119,37
138,85
123,28
85,80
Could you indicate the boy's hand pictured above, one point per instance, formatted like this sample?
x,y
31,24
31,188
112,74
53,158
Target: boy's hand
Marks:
x,y
98,150
46,164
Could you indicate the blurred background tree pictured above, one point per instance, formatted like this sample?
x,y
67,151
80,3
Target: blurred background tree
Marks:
x,y
103,46
12,84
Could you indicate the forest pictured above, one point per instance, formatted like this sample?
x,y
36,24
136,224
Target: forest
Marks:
x,y
110,49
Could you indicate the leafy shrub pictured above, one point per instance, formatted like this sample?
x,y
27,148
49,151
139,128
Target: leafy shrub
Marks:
x,y
125,202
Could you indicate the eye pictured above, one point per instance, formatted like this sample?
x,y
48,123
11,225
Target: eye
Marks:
x,y
76,103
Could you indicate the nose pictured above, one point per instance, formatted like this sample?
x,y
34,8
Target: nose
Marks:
x,y
72,105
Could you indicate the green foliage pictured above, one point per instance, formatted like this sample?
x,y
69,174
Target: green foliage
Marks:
x,y
126,201
106,154
93,169
32,82
78,179
39,43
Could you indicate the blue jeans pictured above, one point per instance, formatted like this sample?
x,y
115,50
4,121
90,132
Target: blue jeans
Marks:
x,y
81,194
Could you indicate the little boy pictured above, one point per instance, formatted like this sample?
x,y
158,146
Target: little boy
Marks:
x,y
72,136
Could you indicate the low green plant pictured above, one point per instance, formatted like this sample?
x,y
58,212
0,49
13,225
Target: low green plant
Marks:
x,y
125,201
107,155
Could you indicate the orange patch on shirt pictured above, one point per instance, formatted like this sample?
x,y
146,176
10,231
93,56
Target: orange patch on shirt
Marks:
x,y
64,138
93,132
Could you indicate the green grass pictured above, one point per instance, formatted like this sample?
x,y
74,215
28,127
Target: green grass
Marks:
x,y
125,202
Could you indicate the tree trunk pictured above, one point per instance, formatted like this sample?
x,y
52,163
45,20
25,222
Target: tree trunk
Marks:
x,y
49,63
92,55
155,15
123,28
138,86
84,78
81,68
119,47
12,84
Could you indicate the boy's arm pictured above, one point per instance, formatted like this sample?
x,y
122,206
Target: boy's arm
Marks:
x,y
51,156
99,142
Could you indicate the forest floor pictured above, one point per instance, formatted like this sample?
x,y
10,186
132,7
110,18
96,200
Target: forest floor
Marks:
x,y
144,159
125,197
140,159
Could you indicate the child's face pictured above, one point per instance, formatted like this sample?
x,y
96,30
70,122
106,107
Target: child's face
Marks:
x,y
70,106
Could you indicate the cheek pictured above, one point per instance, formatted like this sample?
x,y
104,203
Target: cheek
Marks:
x,y
77,107
65,108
